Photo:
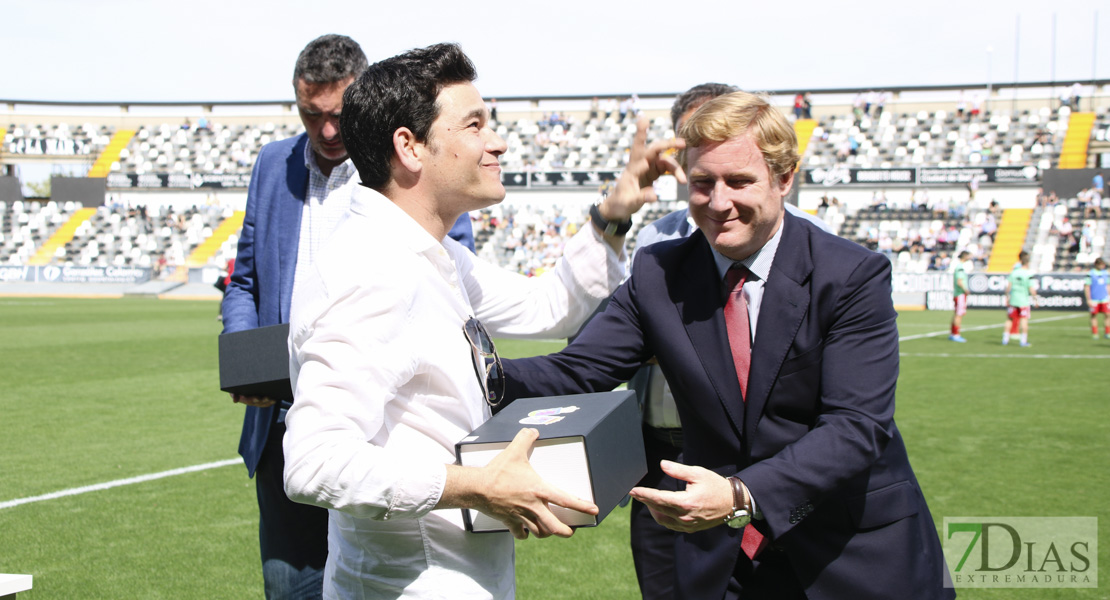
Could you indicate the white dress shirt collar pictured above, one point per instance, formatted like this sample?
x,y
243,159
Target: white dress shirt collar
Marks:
x,y
759,263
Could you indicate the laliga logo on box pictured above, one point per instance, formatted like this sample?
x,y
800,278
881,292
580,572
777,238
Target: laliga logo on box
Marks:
x,y
547,416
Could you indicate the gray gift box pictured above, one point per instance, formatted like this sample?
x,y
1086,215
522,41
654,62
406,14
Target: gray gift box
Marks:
x,y
590,445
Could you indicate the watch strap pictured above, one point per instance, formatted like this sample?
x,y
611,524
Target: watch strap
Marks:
x,y
609,227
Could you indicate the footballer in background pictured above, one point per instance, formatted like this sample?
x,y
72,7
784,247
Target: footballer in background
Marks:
x,y
959,294
1020,293
1097,293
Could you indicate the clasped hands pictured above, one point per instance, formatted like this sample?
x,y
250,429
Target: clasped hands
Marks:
x,y
509,490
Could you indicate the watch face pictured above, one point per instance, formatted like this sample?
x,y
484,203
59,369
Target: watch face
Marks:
x,y
741,519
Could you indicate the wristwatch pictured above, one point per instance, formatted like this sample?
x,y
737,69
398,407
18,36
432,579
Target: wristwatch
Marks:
x,y
609,227
741,513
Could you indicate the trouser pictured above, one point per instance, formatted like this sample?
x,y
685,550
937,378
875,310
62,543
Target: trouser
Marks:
x,y
653,544
293,537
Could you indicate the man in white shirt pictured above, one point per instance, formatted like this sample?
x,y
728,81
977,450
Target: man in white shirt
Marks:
x,y
387,372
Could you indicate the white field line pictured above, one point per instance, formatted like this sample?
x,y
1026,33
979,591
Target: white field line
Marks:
x,y
919,336
120,482
232,461
1023,355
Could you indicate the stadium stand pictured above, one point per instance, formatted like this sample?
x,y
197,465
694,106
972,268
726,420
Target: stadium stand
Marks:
x,y
917,232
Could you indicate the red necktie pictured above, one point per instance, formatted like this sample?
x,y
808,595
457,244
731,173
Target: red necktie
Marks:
x,y
740,342
736,320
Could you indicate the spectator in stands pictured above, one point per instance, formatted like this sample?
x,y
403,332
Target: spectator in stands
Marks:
x,y
1087,236
595,108
939,262
1094,203
300,189
799,105
493,109
878,200
880,102
859,108
1099,184
976,106
1066,230
844,149
940,208
990,227
1089,202
1074,93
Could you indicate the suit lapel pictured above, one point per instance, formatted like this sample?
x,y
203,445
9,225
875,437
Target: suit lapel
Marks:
x,y
702,314
785,302
290,206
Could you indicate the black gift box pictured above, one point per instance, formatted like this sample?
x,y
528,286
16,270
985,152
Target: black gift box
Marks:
x,y
590,445
255,362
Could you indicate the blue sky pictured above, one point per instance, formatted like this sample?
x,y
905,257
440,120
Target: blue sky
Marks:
x,y
229,50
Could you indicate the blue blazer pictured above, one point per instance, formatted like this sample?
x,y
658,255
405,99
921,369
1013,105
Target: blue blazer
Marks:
x,y
815,441
262,284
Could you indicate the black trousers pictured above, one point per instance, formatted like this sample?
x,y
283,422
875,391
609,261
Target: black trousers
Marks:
x,y
653,544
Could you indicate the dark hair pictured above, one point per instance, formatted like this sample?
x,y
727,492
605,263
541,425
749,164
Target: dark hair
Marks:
x,y
328,59
697,95
397,92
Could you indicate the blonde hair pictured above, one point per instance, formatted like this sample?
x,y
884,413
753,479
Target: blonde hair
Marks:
x,y
731,115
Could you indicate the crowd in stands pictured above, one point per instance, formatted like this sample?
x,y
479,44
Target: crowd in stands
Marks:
x,y
116,235
868,136
918,231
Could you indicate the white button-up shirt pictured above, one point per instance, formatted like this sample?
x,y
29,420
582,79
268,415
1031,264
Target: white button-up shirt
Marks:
x,y
325,205
385,386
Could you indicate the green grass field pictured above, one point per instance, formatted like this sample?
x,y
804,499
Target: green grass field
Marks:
x,y
97,391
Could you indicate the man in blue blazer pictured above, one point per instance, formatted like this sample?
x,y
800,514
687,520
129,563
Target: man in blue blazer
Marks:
x,y
311,175
797,482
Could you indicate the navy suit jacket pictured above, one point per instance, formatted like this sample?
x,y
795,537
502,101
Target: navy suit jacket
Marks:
x,y
261,286
815,441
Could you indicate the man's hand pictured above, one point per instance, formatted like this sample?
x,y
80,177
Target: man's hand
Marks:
x,y
252,401
645,164
705,502
509,490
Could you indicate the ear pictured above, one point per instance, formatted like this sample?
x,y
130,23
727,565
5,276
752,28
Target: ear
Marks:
x,y
407,150
786,182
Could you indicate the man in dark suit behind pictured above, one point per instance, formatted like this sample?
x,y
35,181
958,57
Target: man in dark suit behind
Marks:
x,y
796,431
